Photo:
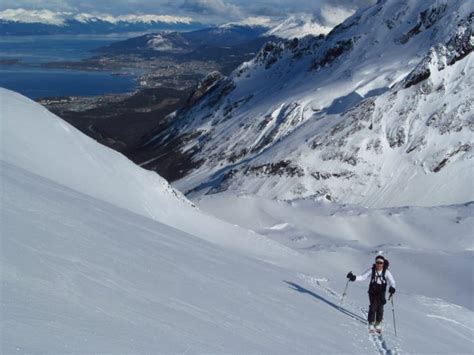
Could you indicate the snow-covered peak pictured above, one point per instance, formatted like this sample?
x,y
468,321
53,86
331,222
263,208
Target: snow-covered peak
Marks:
x,y
298,26
301,25
59,18
34,16
85,17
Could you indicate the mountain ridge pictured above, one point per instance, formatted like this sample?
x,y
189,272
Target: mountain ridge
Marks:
x,y
351,76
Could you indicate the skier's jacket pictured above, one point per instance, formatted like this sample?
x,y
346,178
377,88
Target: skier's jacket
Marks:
x,y
378,280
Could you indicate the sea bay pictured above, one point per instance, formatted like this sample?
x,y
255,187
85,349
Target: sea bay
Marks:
x,y
29,77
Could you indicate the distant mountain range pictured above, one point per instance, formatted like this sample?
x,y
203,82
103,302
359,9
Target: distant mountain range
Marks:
x,y
45,22
231,44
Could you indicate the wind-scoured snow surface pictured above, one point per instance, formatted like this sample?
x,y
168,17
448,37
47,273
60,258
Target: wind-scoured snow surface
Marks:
x,y
379,112
93,260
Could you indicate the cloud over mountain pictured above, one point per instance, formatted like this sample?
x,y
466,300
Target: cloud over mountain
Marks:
x,y
215,11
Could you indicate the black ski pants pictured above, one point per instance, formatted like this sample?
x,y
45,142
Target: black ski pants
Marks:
x,y
377,300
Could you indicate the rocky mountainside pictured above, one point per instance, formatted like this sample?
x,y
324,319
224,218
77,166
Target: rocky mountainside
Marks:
x,y
378,112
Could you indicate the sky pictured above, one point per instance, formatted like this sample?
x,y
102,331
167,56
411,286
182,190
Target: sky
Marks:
x,y
215,11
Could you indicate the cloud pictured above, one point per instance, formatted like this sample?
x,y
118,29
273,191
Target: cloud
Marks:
x,y
52,5
269,11
212,7
207,11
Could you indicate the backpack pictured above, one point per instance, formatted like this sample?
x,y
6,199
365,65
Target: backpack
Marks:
x,y
374,287
385,267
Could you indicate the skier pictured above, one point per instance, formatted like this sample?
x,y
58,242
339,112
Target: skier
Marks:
x,y
377,288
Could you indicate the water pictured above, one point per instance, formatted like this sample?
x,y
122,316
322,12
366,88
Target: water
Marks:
x,y
34,81
37,82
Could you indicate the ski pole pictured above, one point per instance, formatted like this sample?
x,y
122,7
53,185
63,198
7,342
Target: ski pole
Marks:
x,y
393,312
344,293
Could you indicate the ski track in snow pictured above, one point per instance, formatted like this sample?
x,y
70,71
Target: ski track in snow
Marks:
x,y
380,344
377,340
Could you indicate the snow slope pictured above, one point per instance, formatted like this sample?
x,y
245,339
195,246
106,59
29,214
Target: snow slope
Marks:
x,y
378,113
34,139
80,274
428,247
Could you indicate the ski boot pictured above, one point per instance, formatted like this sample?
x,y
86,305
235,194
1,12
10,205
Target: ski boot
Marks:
x,y
371,327
378,327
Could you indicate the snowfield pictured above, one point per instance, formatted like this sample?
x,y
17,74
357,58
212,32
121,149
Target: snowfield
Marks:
x,y
427,247
90,263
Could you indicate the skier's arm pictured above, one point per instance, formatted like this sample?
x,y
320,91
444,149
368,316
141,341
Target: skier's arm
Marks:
x,y
364,276
390,278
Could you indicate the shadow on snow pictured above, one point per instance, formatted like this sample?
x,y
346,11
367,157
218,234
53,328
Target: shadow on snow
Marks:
x,y
353,315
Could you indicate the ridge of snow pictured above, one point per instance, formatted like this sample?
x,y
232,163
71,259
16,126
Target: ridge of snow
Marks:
x,y
38,141
34,139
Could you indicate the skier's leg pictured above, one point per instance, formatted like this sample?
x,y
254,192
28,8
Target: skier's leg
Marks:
x,y
380,304
372,309
376,306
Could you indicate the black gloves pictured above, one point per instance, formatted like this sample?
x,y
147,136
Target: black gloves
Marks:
x,y
351,276
391,290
